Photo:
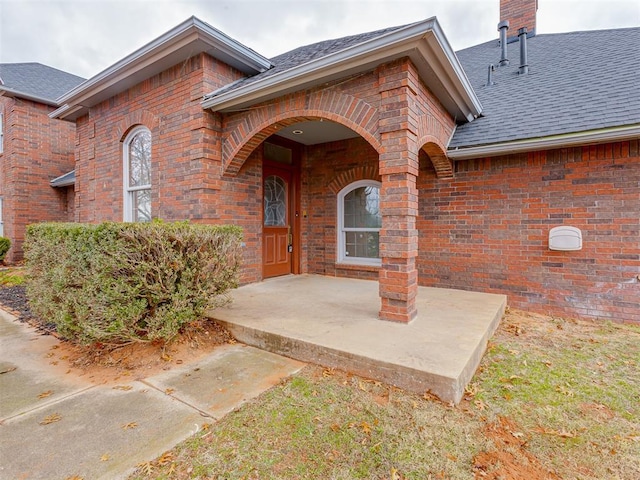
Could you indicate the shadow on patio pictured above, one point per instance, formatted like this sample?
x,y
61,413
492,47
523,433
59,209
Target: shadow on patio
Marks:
x,y
334,322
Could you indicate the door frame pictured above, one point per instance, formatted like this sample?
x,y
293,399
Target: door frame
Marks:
x,y
294,194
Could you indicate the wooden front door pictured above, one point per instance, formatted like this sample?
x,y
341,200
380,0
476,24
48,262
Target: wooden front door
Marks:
x,y
277,231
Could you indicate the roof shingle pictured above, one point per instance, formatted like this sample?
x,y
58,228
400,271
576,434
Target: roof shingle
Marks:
x,y
37,80
577,82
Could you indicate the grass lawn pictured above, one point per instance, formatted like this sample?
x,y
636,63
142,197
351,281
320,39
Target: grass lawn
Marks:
x,y
12,276
553,399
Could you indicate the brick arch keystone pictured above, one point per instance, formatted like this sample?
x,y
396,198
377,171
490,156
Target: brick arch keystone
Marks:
x,y
259,124
132,119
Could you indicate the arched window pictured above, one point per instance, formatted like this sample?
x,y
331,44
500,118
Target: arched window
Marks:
x,y
137,175
359,223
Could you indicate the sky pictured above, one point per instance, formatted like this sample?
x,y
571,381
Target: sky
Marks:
x,y
84,37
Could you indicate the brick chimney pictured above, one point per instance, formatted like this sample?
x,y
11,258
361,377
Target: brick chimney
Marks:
x,y
519,13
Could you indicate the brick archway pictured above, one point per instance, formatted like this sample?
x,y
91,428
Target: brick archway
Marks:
x,y
442,164
431,136
252,128
139,117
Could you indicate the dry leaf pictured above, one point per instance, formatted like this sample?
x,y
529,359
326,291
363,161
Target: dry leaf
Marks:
x,y
361,386
480,405
395,475
145,467
471,390
453,458
53,418
548,431
105,458
335,427
165,458
75,477
169,391
328,372
366,428
129,425
123,387
46,394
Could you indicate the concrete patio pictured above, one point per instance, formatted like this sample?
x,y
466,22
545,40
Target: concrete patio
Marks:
x,y
334,322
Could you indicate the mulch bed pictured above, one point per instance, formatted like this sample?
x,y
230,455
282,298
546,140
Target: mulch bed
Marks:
x,y
14,300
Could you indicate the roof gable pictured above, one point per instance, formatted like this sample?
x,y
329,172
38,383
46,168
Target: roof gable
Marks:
x,y
423,42
191,37
35,81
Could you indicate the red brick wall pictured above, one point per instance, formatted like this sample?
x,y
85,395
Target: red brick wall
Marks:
x,y
519,13
186,147
327,169
186,156
36,150
487,229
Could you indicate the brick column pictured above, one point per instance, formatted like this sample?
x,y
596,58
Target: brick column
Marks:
x,y
398,277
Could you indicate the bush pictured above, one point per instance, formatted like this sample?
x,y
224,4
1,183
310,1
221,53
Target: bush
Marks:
x,y
5,245
116,283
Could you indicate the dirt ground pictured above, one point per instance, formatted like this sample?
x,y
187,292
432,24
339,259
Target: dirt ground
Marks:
x,y
510,458
134,361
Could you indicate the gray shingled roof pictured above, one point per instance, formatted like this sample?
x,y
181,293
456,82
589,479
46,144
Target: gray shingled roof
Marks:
x,y
577,82
37,80
302,55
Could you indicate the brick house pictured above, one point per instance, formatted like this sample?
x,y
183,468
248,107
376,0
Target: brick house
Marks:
x,y
34,150
385,156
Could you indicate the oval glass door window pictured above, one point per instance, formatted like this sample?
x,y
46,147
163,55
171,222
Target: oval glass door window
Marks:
x,y
275,201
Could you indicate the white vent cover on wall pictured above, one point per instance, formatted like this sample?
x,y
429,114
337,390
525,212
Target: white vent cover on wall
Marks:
x,y
565,238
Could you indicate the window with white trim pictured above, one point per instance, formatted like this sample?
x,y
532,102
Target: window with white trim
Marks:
x,y
137,175
359,223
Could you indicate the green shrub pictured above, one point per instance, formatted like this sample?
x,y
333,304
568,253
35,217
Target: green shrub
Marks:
x,y
116,283
5,245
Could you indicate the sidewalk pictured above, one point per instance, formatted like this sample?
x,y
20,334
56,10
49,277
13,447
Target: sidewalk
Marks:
x,y
104,431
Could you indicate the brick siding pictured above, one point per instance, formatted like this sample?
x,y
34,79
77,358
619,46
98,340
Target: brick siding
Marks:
x,y
487,229
37,149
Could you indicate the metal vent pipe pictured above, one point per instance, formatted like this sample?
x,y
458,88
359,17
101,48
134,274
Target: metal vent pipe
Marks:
x,y
503,26
524,60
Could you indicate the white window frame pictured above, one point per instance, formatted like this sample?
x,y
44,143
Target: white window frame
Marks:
x,y
342,258
127,190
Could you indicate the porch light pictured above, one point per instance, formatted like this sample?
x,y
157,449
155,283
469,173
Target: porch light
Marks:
x,y
297,132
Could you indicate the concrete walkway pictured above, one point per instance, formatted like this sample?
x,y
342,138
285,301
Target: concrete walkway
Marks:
x,y
102,431
334,322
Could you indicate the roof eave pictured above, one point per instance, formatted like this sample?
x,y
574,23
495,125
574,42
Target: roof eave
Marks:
x,y
10,92
187,39
65,180
424,42
612,134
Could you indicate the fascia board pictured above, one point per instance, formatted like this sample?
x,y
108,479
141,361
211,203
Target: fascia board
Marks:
x,y
69,113
190,32
613,134
10,92
403,42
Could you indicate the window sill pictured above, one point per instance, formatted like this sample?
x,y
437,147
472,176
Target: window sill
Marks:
x,y
358,267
